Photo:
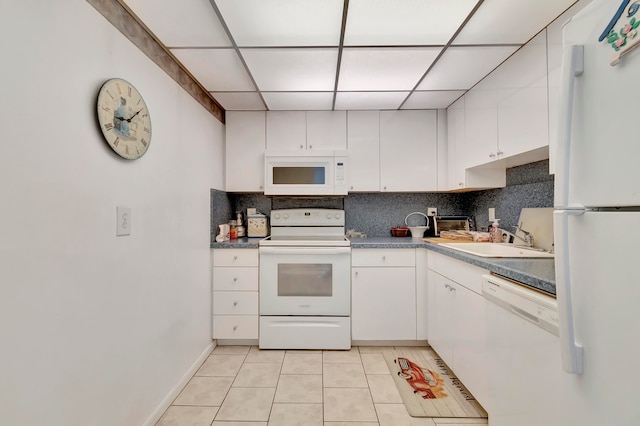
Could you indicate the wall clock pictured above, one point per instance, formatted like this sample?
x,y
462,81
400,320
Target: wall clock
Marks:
x,y
124,118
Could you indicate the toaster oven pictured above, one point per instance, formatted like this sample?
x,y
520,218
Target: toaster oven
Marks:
x,y
450,223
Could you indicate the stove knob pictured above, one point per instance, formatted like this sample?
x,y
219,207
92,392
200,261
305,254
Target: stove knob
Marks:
x,y
276,216
328,215
285,216
337,215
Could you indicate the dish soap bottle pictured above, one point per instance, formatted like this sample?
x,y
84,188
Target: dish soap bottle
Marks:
x,y
494,232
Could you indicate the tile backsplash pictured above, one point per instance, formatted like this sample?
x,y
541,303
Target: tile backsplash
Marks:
x,y
374,214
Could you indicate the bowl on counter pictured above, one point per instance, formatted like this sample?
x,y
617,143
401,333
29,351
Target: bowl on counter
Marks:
x,y
417,232
399,232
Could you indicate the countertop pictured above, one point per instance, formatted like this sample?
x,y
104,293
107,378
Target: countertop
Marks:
x,y
536,273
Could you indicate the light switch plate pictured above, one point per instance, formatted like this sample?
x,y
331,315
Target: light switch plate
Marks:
x,y
123,220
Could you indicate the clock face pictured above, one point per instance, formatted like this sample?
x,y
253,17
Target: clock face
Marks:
x,y
124,118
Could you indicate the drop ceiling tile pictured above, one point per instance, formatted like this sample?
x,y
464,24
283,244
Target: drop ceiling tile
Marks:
x,y
283,23
384,68
292,69
459,68
298,100
432,99
185,23
239,101
369,100
216,69
508,21
404,22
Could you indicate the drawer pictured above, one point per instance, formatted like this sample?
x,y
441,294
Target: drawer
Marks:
x,y
235,303
235,326
463,273
235,257
235,279
383,257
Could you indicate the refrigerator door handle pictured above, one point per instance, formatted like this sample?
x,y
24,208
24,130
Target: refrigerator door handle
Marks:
x,y
571,350
572,67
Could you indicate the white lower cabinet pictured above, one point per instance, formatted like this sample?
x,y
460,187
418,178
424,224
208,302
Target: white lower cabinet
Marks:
x,y
383,289
235,294
456,321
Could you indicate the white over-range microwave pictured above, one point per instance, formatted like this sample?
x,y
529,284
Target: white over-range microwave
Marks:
x,y
308,173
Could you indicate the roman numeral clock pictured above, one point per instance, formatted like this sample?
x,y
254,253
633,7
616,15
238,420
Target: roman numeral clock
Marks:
x,y
124,118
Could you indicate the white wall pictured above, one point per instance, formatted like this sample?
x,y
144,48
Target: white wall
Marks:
x,y
96,329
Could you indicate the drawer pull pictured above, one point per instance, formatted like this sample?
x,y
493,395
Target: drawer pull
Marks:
x,y
235,279
235,257
235,327
384,258
235,303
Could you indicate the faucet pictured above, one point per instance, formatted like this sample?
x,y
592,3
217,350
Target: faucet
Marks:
x,y
528,237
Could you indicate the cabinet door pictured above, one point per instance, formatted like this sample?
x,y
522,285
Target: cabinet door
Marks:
x,y
442,318
363,140
481,124
523,121
455,143
286,130
422,294
383,304
245,145
408,151
326,130
470,341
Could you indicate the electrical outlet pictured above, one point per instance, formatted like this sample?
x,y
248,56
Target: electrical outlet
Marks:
x,y
492,214
123,221
432,211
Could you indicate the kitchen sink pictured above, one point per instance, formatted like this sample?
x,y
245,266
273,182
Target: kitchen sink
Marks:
x,y
497,250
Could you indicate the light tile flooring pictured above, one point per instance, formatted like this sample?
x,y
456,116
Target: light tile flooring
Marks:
x,y
246,386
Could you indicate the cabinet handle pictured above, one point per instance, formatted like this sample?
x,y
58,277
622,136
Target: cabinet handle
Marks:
x,y
235,279
235,327
235,257
447,286
310,147
384,258
385,188
235,303
261,187
301,146
492,155
460,184
356,273
500,152
351,188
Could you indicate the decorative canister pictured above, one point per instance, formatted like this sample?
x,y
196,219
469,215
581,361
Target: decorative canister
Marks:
x,y
256,225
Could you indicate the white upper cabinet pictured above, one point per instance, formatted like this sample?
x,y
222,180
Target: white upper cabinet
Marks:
x,y
303,130
286,130
363,139
245,144
408,151
326,130
523,121
506,114
456,141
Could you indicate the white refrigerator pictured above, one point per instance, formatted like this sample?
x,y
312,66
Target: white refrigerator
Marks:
x,y
597,216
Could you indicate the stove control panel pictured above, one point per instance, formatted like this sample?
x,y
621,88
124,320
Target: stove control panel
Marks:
x,y
307,217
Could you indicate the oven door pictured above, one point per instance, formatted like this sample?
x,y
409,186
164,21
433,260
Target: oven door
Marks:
x,y
305,281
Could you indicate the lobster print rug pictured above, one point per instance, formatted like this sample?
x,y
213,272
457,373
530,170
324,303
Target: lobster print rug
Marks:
x,y
427,387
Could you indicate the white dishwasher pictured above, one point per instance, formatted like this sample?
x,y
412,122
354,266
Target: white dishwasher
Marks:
x,y
524,348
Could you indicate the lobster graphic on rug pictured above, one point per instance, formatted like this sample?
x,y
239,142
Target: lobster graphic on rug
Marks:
x,y
425,383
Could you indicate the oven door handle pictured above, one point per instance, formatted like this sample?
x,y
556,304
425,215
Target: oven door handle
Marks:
x,y
305,250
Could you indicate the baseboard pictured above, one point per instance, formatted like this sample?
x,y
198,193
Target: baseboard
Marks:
x,y
173,393
389,343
